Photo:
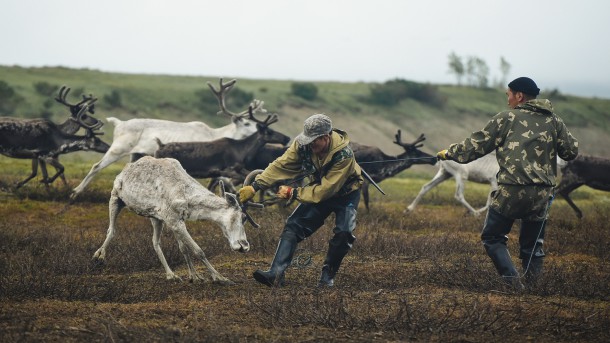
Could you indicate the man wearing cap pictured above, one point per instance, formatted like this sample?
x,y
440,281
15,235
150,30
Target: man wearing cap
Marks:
x,y
527,140
322,153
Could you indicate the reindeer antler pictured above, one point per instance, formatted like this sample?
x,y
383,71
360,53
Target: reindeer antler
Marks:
x,y
256,105
82,112
416,144
63,93
271,118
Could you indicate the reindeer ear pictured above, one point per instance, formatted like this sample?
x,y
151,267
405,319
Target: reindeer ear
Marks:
x,y
221,186
231,199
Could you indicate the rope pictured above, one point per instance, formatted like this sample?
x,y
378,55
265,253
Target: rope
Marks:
x,y
546,211
399,160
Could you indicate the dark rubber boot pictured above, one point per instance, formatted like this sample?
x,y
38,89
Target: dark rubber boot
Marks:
x,y
283,256
338,247
504,264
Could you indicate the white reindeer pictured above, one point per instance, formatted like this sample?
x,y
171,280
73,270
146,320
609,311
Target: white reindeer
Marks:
x,y
161,190
482,170
138,137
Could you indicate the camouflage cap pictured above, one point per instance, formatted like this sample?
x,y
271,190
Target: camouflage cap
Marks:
x,y
315,126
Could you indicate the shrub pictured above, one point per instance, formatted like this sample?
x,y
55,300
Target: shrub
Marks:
x,y
113,99
394,91
9,99
45,88
305,90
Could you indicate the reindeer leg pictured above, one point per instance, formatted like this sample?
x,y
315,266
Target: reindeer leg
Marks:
x,y
115,205
459,195
565,193
193,275
109,158
45,173
156,240
59,170
32,175
493,187
191,246
436,180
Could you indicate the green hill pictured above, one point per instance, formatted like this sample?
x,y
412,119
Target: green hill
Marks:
x,y
179,98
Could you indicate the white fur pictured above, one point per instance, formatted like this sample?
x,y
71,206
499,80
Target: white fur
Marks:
x,y
482,170
161,190
137,136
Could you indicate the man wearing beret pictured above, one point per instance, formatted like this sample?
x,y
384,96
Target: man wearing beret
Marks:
x,y
324,155
527,140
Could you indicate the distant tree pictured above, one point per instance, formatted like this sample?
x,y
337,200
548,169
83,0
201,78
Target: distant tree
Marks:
x,y
305,90
113,99
477,71
392,92
9,99
456,66
504,69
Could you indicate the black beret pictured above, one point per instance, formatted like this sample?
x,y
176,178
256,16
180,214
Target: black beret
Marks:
x,y
525,85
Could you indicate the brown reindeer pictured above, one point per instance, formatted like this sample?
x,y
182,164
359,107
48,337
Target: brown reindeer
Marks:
x,y
381,166
584,170
43,141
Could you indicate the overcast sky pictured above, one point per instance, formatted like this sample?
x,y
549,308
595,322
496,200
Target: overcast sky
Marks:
x,y
559,43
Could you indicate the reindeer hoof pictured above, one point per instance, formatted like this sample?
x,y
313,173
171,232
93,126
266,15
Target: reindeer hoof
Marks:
x,y
224,282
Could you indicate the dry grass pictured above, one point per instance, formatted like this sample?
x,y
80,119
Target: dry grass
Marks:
x,y
418,277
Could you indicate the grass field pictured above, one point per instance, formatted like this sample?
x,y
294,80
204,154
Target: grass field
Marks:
x,y
417,277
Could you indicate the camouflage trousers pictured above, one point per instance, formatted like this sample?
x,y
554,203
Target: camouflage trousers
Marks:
x,y
522,202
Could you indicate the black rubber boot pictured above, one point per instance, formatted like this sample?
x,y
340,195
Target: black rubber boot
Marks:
x,y
504,264
338,247
533,272
283,256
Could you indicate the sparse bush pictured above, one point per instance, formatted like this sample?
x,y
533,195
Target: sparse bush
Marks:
x,y
45,88
392,92
113,99
305,90
9,99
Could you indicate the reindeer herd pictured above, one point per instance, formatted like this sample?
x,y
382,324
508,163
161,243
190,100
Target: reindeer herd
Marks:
x,y
166,156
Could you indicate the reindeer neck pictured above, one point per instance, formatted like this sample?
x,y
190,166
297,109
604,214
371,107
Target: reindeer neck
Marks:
x,y
70,126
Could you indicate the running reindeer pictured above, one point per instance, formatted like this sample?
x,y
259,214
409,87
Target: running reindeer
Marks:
x,y
583,170
161,190
381,166
226,157
138,137
43,141
482,170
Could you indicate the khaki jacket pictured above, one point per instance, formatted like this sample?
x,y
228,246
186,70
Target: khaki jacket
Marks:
x,y
337,174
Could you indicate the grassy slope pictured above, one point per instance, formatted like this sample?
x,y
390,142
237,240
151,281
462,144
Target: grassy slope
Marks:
x,y
173,98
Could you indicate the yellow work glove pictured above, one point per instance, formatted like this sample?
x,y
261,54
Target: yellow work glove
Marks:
x,y
246,193
285,192
442,155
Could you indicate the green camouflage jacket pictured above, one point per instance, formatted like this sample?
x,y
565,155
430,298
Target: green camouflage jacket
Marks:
x,y
337,174
527,140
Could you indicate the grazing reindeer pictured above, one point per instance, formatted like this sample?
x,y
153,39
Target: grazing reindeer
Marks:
x,y
584,170
138,137
42,140
381,166
482,170
223,156
161,190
